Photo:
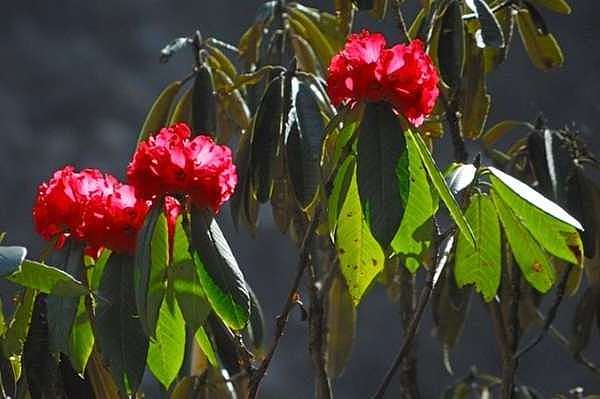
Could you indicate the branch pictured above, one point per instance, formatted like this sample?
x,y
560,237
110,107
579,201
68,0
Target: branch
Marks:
x,y
413,325
510,361
282,319
560,293
401,23
452,117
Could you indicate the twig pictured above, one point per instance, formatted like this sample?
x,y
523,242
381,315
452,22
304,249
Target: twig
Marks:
x,y
560,293
282,319
401,23
415,321
452,117
510,361
408,303
579,357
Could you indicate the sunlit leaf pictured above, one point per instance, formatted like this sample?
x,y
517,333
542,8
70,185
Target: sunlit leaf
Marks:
x,y
218,271
318,41
460,176
499,130
480,266
81,340
150,265
361,257
305,55
338,193
206,345
47,279
166,351
531,258
441,187
16,334
551,225
413,238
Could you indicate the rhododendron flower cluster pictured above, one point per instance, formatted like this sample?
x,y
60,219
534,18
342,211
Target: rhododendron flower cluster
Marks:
x,y
366,71
172,162
89,206
95,208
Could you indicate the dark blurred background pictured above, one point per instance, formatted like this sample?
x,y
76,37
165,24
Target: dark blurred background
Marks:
x,y
77,78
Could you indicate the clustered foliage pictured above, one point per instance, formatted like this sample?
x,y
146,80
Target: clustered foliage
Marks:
x,y
335,130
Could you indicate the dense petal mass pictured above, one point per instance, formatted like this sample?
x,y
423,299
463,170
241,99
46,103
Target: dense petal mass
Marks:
x,y
89,206
403,75
171,162
352,72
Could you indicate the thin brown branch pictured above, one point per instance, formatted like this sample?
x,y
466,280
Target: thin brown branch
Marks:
x,y
453,120
282,319
510,361
415,321
397,5
549,319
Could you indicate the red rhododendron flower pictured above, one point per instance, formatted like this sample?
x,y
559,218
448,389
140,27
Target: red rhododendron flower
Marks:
x,y
404,75
94,208
113,219
173,162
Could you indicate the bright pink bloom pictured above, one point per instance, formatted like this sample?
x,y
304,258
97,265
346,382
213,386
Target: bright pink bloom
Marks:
x,y
404,75
172,162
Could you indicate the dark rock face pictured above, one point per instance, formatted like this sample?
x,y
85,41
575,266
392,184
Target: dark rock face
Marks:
x,y
78,76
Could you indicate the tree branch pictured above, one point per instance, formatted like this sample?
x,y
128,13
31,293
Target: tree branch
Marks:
x,y
282,319
549,319
415,321
510,361
452,117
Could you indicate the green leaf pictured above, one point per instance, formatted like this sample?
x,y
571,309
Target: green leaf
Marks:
x,y
150,266
81,340
255,330
243,205
61,311
413,238
305,55
451,45
182,112
500,129
543,49
189,293
166,351
531,258
491,31
559,6
303,146
18,329
218,271
158,116
459,176
475,103
96,271
119,333
381,146
47,279
336,199
549,224
311,32
268,127
341,327
361,257
11,259
207,348
204,103
482,265
440,185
